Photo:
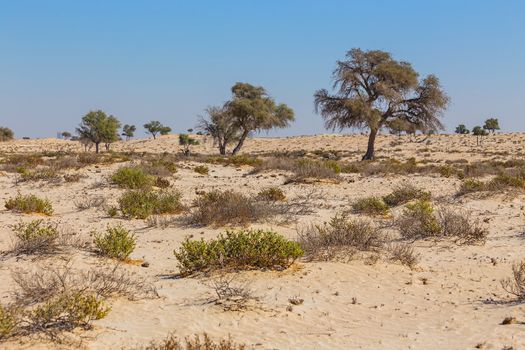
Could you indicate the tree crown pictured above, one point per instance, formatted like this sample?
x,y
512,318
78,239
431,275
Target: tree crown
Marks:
x,y
98,127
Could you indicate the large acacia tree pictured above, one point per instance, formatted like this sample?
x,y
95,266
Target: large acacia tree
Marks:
x,y
252,110
98,127
371,88
219,124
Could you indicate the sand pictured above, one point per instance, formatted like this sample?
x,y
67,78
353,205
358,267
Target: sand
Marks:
x,y
451,300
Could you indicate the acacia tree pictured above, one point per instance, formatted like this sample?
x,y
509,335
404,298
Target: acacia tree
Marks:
x,y
128,131
155,127
253,110
98,128
491,124
479,132
66,134
6,134
219,124
372,88
186,142
462,129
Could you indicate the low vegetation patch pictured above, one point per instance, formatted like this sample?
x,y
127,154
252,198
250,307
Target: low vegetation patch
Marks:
x,y
8,321
132,178
405,193
274,194
35,237
201,169
403,253
516,284
471,185
303,170
370,206
29,204
252,249
140,204
340,238
196,342
116,242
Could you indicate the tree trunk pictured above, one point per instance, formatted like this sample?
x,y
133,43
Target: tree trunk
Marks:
x,y
241,142
154,137
96,146
222,149
369,155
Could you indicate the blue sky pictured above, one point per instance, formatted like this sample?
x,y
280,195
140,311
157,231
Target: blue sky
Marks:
x,y
166,60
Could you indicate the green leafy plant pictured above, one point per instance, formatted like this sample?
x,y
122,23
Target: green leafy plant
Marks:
x,y
132,178
371,206
239,250
471,185
117,242
8,321
274,194
201,169
29,204
405,193
140,204
418,221
35,237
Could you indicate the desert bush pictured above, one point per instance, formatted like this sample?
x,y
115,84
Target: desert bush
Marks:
x,y
339,238
516,284
112,211
238,250
418,221
403,253
132,178
201,169
195,343
228,207
72,177
163,166
29,204
471,185
140,203
504,181
161,182
237,160
230,294
303,169
117,243
67,311
35,237
43,174
84,203
8,321
161,221
272,194
405,193
457,226
371,206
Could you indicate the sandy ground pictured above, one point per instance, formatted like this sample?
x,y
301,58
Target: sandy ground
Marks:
x,y
451,300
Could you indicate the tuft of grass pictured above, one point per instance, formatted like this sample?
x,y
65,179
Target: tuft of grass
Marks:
x,y
340,238
370,206
29,204
195,343
504,181
117,242
201,169
405,193
403,253
238,250
274,194
132,178
140,204
471,185
35,237
8,321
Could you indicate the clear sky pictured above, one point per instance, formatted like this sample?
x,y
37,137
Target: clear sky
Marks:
x,y
167,60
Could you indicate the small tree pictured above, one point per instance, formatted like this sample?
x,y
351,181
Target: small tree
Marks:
x,y
98,128
155,127
462,129
220,125
186,141
253,110
491,124
479,132
66,134
128,131
372,88
6,134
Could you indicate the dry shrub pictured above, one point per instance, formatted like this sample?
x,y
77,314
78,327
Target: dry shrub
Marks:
x,y
516,284
403,253
506,181
29,204
272,194
36,237
201,169
9,320
370,206
471,186
195,343
457,226
84,203
303,170
405,193
231,294
48,175
72,177
161,221
340,238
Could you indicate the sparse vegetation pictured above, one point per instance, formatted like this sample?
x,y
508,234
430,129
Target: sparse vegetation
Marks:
x,y
201,169
132,178
370,206
516,284
116,242
8,321
35,237
140,204
6,134
403,253
238,250
29,204
274,194
195,343
405,193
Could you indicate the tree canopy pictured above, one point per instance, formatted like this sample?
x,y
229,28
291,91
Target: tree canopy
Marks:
x,y
6,134
155,127
98,127
128,131
491,124
219,124
462,129
371,88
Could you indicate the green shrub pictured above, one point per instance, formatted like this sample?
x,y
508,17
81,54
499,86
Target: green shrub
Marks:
x,y
239,250
68,311
8,321
112,211
371,206
132,178
140,203
274,194
117,243
504,181
35,237
471,185
418,221
450,171
405,193
334,165
29,204
201,169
